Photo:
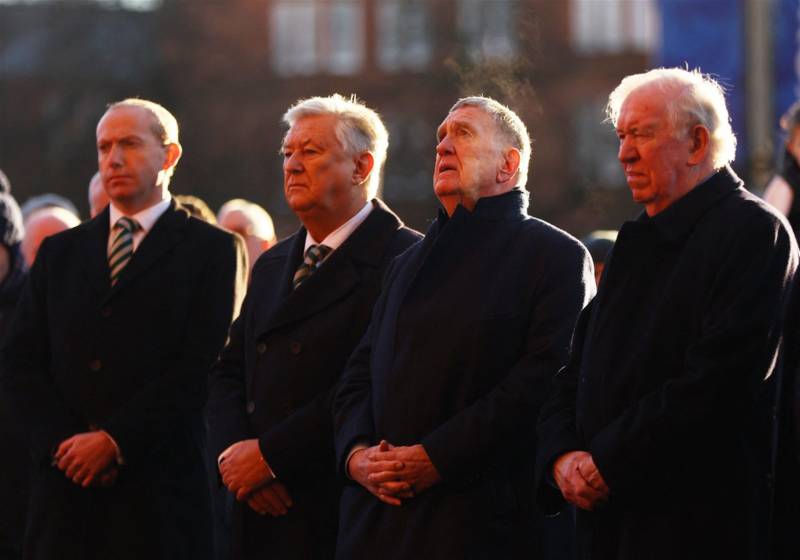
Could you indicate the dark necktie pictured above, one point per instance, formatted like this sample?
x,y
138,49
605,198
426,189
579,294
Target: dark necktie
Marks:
x,y
121,251
315,254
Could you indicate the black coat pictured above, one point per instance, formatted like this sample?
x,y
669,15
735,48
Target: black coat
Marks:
x,y
666,370
274,380
133,360
472,324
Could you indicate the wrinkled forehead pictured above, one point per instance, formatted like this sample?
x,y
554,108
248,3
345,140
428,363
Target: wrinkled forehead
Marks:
x,y
318,129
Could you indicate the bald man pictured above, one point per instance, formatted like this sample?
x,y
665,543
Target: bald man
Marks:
x,y
44,223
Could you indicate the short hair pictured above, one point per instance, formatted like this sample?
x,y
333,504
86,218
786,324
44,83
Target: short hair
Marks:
x,y
508,124
791,118
258,216
165,125
196,207
696,98
47,200
359,129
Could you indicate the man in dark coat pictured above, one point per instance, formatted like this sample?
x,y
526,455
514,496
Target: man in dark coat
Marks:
x,y
107,360
16,464
435,416
270,408
652,431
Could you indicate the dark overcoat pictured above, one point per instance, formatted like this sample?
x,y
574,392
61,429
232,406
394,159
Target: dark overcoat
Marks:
x,y
132,359
274,380
667,367
472,324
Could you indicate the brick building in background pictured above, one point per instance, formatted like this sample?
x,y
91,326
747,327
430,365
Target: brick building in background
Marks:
x,y
229,68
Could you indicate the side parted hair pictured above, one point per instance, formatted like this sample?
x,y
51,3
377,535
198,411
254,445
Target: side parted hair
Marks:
x,y
692,98
510,127
359,129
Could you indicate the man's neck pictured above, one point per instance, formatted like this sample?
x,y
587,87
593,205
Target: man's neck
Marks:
x,y
321,224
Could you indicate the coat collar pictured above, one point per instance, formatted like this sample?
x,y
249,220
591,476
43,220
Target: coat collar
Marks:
x,y
167,231
509,206
338,275
679,219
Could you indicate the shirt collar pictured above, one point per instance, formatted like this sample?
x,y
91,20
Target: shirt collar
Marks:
x,y
146,218
338,236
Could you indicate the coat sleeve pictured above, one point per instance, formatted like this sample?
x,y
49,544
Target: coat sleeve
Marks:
x,y
227,391
669,435
28,387
148,417
557,429
491,429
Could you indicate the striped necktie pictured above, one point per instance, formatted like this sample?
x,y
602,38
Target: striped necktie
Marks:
x,y
121,251
315,254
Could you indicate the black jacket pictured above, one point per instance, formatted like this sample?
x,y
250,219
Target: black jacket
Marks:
x,y
276,377
472,324
667,366
133,360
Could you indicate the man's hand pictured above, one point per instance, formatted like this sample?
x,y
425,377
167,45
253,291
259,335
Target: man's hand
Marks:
x,y
243,468
378,459
272,498
418,472
85,458
579,480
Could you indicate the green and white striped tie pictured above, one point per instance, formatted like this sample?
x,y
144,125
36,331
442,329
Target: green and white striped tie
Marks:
x,y
315,254
121,251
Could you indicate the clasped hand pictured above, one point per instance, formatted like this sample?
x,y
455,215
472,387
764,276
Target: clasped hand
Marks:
x,y
580,480
391,473
246,474
88,459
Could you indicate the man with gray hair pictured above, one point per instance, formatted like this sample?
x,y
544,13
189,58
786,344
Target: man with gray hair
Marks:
x,y
308,304
436,411
652,428
252,222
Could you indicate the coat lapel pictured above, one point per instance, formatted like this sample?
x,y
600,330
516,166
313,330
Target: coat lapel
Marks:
x,y
96,255
339,274
166,233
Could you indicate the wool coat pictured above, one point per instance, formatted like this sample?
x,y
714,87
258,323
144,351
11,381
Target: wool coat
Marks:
x,y
666,371
470,328
132,359
276,378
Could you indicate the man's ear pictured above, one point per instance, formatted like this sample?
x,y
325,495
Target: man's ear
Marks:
x,y
364,164
174,152
699,139
510,165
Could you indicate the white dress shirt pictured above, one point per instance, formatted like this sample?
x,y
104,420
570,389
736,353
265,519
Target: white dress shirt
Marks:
x,y
338,236
146,218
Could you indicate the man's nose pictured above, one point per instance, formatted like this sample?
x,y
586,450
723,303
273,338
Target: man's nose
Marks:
x,y
627,151
291,164
115,157
445,146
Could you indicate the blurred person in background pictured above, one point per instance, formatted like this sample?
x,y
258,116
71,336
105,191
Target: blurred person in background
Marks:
x,y
16,460
252,222
47,200
42,223
197,207
782,190
98,199
599,243
308,304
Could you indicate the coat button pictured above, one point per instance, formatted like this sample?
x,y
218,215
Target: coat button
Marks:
x,y
106,311
295,347
251,407
261,348
95,365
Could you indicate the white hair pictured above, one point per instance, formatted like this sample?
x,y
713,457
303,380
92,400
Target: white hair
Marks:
x,y
260,220
359,129
692,98
510,127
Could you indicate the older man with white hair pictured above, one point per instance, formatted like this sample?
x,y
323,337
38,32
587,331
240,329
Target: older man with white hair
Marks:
x,y
435,417
650,431
308,304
